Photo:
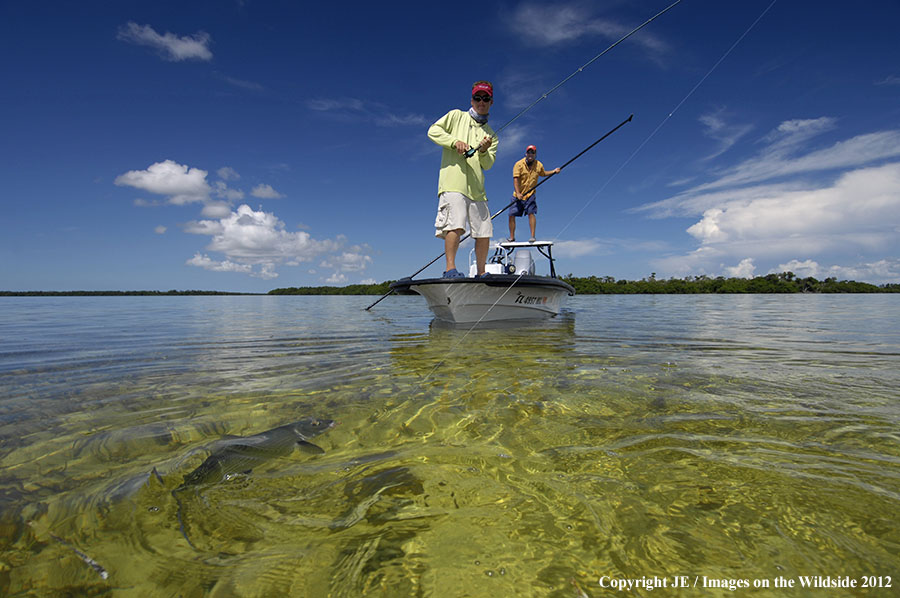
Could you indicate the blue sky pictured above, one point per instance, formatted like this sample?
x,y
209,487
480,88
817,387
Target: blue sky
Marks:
x,y
249,145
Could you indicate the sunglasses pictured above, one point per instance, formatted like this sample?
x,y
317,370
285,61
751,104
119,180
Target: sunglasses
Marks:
x,y
482,98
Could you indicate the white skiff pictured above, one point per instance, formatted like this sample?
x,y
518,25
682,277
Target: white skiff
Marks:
x,y
511,291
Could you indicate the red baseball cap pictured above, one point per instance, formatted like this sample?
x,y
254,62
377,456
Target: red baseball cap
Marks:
x,y
531,148
485,87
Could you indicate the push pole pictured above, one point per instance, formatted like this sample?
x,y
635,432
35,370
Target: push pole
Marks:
x,y
467,235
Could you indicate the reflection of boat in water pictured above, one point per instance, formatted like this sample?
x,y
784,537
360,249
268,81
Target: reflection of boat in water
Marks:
x,y
564,321
511,291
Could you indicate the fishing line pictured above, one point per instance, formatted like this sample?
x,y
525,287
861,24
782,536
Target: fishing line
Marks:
x,y
589,62
666,119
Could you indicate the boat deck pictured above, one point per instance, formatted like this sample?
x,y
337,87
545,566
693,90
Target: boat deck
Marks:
x,y
493,280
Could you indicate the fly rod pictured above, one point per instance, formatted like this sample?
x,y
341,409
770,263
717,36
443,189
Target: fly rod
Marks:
x,y
467,235
471,151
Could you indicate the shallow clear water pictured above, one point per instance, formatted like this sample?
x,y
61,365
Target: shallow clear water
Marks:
x,y
741,438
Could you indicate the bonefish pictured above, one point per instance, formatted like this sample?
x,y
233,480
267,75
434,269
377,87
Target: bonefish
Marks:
x,y
234,456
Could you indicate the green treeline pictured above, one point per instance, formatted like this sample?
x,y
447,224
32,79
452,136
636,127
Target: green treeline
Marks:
x,y
352,289
786,282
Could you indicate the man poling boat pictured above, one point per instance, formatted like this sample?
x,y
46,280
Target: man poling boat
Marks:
x,y
525,175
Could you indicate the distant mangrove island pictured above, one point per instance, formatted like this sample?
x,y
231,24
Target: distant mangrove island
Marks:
x,y
786,282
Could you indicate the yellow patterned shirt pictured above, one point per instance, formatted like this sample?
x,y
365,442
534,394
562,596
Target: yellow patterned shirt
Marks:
x,y
528,177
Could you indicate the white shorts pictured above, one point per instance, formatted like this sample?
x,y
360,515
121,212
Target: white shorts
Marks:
x,y
455,210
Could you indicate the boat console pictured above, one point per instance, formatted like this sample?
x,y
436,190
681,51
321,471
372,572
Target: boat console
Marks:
x,y
513,257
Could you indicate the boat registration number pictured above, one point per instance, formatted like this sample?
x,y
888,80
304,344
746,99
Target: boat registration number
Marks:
x,y
530,300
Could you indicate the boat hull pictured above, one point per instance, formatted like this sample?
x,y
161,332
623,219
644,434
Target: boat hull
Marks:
x,y
504,297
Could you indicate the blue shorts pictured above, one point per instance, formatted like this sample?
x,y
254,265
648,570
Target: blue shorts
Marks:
x,y
523,208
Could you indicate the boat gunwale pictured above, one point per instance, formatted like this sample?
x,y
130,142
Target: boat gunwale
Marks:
x,y
493,280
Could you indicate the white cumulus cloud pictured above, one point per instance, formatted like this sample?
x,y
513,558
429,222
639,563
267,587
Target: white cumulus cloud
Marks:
x,y
205,262
227,173
216,209
803,269
745,269
348,261
259,237
257,242
225,192
181,185
265,192
179,182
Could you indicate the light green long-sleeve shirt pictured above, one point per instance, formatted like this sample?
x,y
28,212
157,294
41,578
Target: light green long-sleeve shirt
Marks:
x,y
458,173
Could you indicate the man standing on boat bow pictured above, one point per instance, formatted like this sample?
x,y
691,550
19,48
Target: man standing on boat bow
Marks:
x,y
525,178
461,196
